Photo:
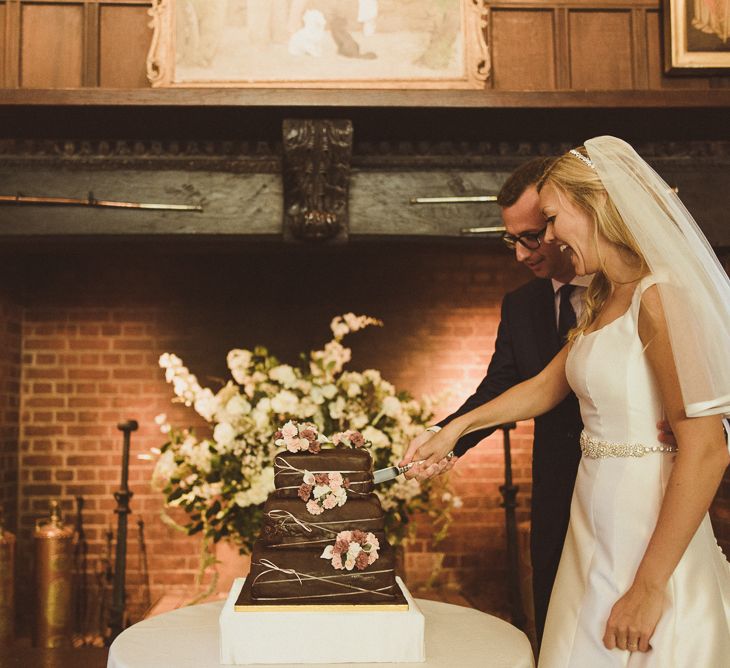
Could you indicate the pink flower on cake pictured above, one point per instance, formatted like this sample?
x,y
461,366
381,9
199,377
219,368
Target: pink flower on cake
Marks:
x,y
314,508
289,430
358,548
351,438
297,437
323,490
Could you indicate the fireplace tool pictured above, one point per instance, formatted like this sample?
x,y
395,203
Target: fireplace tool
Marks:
x,y
122,496
509,503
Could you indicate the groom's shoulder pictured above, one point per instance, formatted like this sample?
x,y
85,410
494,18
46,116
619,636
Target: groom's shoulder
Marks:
x,y
537,288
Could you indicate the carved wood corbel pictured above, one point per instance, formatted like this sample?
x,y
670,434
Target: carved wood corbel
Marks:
x,y
316,176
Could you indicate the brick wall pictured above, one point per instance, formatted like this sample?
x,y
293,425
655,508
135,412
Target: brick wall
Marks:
x,y
95,324
10,341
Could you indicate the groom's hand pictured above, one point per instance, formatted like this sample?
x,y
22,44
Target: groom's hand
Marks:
x,y
418,470
666,435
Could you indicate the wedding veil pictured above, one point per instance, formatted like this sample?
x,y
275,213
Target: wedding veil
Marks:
x,y
694,288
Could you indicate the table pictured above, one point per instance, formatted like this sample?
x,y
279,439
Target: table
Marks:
x,y
455,636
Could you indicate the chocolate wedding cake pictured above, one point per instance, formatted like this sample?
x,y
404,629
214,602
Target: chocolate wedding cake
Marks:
x,y
323,539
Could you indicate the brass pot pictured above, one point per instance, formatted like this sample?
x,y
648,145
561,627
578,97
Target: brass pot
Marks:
x,y
7,585
53,623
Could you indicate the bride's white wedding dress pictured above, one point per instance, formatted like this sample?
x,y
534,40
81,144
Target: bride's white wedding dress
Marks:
x,y
614,510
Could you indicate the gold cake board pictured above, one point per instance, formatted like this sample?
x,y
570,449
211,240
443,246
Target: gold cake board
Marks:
x,y
245,603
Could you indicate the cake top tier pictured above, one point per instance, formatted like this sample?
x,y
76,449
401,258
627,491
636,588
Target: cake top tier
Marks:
x,y
341,459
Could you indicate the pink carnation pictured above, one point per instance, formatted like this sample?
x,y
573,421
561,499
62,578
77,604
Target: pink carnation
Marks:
x,y
357,439
289,430
292,445
304,492
337,561
309,434
335,480
314,508
330,501
361,561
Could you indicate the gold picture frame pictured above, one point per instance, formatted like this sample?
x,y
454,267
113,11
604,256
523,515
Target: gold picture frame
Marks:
x,y
381,44
697,37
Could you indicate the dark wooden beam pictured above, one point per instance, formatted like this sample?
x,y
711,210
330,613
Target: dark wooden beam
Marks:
x,y
445,99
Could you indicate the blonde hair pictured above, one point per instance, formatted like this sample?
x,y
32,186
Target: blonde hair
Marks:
x,y
579,182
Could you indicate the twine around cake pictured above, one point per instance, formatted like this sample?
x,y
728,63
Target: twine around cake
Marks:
x,y
329,579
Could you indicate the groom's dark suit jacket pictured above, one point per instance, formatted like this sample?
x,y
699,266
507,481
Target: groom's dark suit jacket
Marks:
x,y
527,340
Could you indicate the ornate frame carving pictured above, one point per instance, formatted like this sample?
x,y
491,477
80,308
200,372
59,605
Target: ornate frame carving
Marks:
x,y
163,70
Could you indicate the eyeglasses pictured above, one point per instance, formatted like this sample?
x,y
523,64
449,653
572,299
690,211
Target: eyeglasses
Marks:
x,y
530,240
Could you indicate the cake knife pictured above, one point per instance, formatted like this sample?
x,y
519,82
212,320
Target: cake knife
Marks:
x,y
390,472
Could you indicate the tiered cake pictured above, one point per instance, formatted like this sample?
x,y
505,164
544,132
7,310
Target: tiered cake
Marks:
x,y
323,539
322,586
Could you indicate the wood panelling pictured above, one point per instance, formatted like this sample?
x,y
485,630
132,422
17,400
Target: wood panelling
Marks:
x,y
570,46
600,50
523,53
3,33
51,52
124,39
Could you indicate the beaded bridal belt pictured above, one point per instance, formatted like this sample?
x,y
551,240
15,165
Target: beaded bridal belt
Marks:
x,y
596,448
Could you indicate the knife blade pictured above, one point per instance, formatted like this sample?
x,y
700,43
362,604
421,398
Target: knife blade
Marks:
x,y
390,472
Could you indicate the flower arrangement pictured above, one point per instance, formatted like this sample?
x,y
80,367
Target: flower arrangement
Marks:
x,y
327,491
222,479
352,549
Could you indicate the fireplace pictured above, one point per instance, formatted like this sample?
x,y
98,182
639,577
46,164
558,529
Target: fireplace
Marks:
x,y
85,318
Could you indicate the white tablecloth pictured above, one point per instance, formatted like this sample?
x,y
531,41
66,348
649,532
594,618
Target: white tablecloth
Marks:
x,y
455,637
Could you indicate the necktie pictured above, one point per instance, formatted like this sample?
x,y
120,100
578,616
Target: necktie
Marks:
x,y
566,314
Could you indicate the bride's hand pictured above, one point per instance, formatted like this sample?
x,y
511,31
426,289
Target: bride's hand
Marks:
x,y
429,451
633,619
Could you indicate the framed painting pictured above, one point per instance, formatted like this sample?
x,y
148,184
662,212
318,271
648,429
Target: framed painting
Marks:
x,y
319,43
697,37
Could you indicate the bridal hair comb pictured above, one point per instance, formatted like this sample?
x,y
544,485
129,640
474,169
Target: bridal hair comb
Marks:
x,y
580,156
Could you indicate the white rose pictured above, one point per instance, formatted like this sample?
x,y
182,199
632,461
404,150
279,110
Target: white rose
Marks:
x,y
338,327
285,402
224,433
284,375
238,406
392,407
316,395
206,404
358,421
337,408
165,467
307,408
238,362
329,391
376,437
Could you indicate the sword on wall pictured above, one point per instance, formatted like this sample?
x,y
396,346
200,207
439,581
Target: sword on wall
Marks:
x,y
90,200
459,199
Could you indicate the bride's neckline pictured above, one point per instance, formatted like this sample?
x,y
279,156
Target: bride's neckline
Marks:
x,y
617,318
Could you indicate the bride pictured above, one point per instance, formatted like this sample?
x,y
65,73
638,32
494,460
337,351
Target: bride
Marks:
x,y
642,581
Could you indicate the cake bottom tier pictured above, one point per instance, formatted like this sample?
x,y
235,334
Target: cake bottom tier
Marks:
x,y
296,575
329,634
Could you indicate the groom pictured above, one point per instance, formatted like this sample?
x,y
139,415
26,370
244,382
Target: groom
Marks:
x,y
535,319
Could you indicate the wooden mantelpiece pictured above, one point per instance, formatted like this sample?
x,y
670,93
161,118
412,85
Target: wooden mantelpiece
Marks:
x,y
456,99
